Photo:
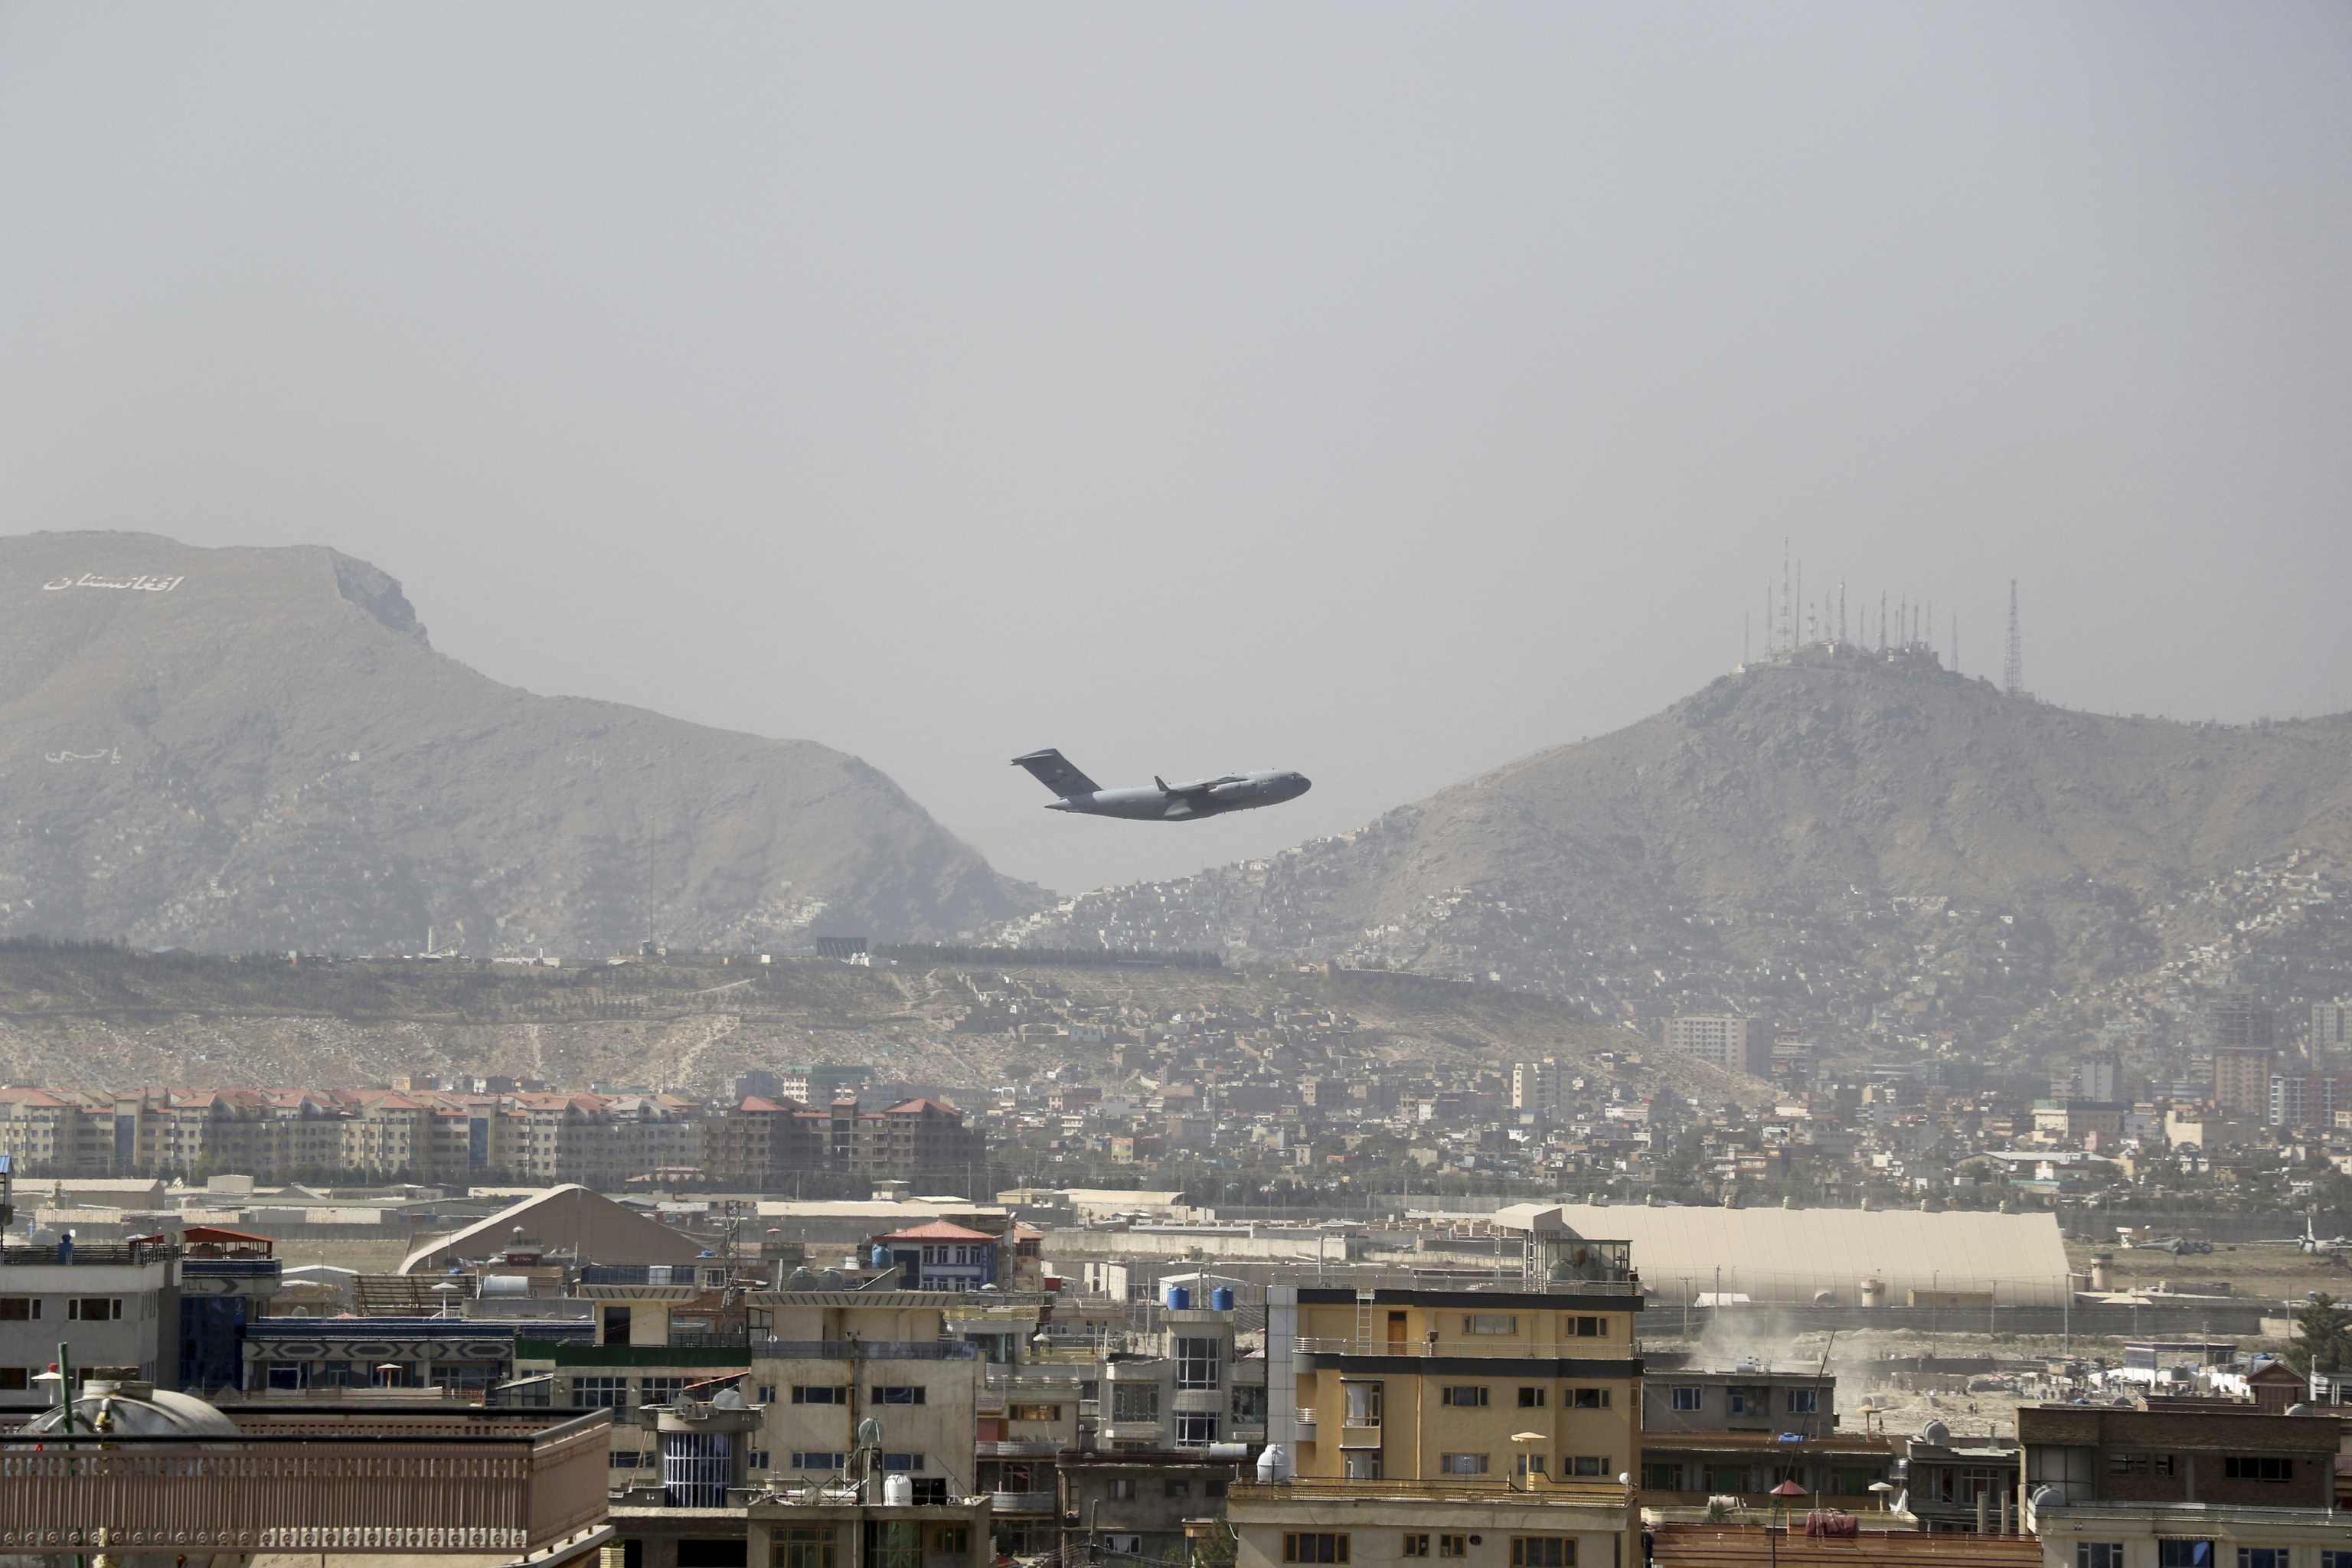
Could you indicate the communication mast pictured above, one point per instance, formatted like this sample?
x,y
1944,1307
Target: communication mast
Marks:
x,y
2012,669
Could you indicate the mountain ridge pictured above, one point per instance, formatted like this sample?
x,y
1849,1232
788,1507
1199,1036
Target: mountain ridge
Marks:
x,y
260,748
1783,818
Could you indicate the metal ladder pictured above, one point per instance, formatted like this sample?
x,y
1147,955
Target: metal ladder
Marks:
x,y
1364,1322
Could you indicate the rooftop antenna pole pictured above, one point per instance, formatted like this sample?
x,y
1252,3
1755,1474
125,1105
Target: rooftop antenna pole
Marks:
x,y
1801,598
1840,610
1788,624
1881,620
2013,672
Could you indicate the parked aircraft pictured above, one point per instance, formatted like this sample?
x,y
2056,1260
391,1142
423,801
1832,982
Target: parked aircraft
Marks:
x,y
1164,802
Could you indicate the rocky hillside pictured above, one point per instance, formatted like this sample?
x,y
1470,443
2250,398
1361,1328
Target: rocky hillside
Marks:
x,y
259,748
1853,842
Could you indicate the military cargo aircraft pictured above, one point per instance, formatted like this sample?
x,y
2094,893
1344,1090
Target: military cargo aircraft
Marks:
x,y
1164,802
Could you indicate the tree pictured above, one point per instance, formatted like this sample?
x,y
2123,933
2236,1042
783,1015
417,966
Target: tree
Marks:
x,y
2322,1336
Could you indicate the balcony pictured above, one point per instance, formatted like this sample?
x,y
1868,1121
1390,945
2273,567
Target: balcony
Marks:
x,y
1496,1492
1026,1448
1002,1503
1305,1428
865,1350
363,1482
1133,1432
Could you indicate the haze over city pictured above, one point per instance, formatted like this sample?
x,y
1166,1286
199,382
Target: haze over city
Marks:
x,y
1379,391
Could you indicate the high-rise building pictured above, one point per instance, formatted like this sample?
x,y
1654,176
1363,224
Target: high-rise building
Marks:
x,y
2236,1020
2309,1100
2098,1075
1734,1045
1542,1087
2331,1030
2241,1078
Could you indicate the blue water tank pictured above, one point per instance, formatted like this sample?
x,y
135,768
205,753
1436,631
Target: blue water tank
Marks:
x,y
1180,1299
881,1258
1221,1298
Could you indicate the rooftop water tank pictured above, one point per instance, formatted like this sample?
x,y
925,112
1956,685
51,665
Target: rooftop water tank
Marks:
x,y
1221,1298
881,1258
829,1280
123,1405
1273,1465
1180,1299
801,1279
897,1490
505,1285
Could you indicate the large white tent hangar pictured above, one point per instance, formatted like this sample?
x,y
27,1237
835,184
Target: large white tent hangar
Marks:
x,y
1805,1255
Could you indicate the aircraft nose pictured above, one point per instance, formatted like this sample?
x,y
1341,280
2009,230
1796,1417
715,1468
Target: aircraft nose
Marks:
x,y
1301,783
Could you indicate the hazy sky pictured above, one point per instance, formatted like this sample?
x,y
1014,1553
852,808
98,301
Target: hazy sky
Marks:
x,y
1381,391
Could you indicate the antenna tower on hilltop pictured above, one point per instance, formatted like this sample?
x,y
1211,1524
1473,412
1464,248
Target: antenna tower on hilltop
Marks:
x,y
2012,669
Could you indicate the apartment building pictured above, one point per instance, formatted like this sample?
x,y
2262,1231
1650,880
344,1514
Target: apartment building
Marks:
x,y
1513,1416
1734,1045
763,1144
2242,1079
282,1134
824,1361
2145,1488
112,1305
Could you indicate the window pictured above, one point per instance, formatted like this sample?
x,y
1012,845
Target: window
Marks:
x,y
757,1459
1196,1362
20,1309
1364,1402
955,1539
660,1390
2184,1554
767,1394
1466,1395
94,1309
2126,1464
903,1463
898,1394
1135,1402
1217,1488
835,1395
599,1394
1416,1546
1690,1398
1585,1327
930,1491
1123,1545
1032,1412
1121,1489
1533,1398
1359,1464
893,1544
625,1458
1315,1548
2326,1559
818,1459
2263,1557
1804,1401
1589,1399
1249,1405
1587,1464
801,1546
1490,1323
1543,1551
13,1377
1665,1478
1462,1464
2257,1467
1530,1464
1195,1428
1176,1489
1454,1546
1748,1401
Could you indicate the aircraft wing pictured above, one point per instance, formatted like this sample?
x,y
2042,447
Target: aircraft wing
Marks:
x,y
1056,772
1198,787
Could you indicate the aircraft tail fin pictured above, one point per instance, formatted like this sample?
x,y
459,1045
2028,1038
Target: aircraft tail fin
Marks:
x,y
1055,770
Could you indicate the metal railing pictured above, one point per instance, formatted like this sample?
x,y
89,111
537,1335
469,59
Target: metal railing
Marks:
x,y
95,1252
1576,1494
739,1340
865,1350
1021,1503
500,1485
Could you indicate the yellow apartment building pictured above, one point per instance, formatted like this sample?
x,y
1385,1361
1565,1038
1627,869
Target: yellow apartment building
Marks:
x,y
1483,1428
